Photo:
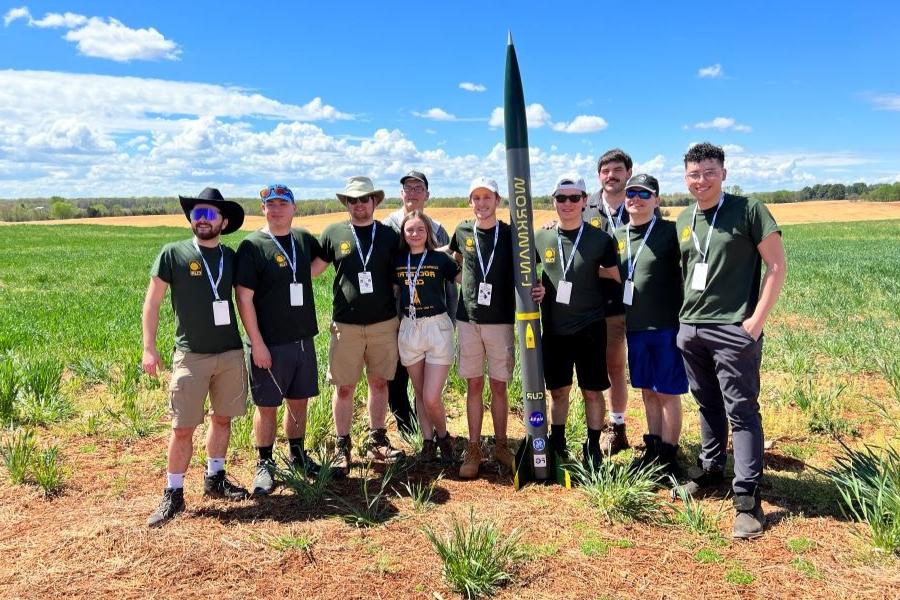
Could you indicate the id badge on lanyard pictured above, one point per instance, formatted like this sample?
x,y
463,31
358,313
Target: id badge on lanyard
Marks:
x,y
484,293
564,292
221,314
296,294
365,277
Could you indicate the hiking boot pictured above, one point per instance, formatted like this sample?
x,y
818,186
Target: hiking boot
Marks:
x,y
428,454
304,463
378,447
340,462
218,486
264,481
651,452
593,458
699,484
472,462
750,520
613,439
668,459
502,454
171,504
445,445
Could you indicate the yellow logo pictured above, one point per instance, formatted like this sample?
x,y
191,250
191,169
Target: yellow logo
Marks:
x,y
595,221
685,234
470,244
549,255
345,248
621,245
280,260
194,266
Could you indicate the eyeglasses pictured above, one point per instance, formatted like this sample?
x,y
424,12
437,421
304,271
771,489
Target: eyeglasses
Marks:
x,y
208,214
414,189
276,191
707,174
564,198
642,194
363,199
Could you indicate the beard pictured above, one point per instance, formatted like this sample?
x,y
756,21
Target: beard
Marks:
x,y
209,233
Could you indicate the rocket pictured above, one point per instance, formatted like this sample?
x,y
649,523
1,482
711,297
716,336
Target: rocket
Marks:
x,y
534,461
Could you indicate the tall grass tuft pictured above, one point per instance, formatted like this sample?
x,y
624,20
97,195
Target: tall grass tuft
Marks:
x,y
17,451
421,492
621,493
476,558
869,483
576,423
375,508
822,408
691,515
42,402
309,491
10,383
48,471
318,421
136,421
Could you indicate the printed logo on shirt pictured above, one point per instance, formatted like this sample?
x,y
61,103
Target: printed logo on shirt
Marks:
x,y
549,255
685,234
344,248
621,245
470,244
595,221
280,260
195,269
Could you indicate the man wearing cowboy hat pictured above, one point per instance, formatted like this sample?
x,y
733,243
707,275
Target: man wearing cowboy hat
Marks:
x,y
209,357
275,300
364,318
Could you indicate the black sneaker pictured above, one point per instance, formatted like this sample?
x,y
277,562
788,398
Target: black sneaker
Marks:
x,y
750,520
613,439
699,484
378,447
593,458
305,464
171,504
445,445
218,486
340,462
264,481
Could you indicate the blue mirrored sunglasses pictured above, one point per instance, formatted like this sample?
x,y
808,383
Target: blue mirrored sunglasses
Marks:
x,y
210,214
642,194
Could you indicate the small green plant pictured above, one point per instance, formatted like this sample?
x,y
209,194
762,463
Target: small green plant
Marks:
x,y
806,567
318,421
889,367
538,551
284,543
310,491
594,546
421,492
10,383
92,424
413,439
822,408
17,452
136,421
708,556
476,558
739,576
800,545
689,513
621,493
375,508
48,471
41,401
576,423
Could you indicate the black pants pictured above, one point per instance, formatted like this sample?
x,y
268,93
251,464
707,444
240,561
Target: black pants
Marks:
x,y
398,400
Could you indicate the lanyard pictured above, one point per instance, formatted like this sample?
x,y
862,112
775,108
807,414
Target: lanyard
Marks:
x,y
292,261
712,225
365,261
613,223
484,271
562,257
632,263
410,281
214,284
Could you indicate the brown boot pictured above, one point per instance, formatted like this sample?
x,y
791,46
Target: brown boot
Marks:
x,y
472,462
502,454
613,439
340,463
378,447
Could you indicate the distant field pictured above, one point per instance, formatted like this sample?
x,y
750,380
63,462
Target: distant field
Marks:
x,y
800,212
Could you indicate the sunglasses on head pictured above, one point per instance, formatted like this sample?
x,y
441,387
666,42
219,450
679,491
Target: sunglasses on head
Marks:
x,y
363,199
642,194
276,191
209,214
570,198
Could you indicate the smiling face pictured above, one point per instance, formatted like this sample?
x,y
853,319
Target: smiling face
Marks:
x,y
704,180
205,229
640,210
484,204
415,232
613,176
279,214
414,194
362,211
569,213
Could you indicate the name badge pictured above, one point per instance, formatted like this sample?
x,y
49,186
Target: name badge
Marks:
x,y
296,294
628,292
365,282
221,314
484,293
698,280
564,292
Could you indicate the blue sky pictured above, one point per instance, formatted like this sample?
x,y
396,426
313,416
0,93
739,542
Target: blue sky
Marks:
x,y
161,98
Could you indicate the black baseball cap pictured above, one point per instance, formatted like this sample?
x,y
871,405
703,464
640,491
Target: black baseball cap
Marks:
x,y
642,180
415,175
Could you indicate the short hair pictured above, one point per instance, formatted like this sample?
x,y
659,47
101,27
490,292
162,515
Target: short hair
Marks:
x,y
615,155
429,228
704,151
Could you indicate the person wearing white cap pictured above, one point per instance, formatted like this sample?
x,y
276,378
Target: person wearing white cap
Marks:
x,y
485,317
576,259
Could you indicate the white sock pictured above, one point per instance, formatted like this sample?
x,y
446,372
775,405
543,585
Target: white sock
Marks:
x,y
175,481
617,418
214,465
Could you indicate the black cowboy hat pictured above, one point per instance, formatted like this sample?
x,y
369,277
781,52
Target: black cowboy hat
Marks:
x,y
232,211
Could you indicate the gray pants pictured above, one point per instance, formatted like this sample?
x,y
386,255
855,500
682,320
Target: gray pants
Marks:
x,y
722,363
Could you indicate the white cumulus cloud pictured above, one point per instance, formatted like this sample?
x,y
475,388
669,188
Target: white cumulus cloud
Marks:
x,y
535,115
582,124
723,124
436,114
472,87
711,72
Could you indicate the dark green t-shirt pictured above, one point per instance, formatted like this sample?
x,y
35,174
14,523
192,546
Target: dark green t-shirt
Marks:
x,y
657,275
339,247
179,265
263,268
503,301
588,300
430,295
733,279
595,214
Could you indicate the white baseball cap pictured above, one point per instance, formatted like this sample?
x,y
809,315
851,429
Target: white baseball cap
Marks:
x,y
569,183
483,182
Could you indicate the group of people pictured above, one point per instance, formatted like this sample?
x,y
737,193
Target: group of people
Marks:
x,y
686,299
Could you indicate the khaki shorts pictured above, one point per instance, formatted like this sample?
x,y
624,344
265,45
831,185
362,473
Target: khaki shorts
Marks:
x,y
353,346
222,376
494,341
615,331
428,338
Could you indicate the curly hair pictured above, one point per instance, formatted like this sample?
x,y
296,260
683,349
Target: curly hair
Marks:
x,y
704,151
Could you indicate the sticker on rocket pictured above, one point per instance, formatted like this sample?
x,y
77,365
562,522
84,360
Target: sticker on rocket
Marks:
x,y
536,418
540,460
538,444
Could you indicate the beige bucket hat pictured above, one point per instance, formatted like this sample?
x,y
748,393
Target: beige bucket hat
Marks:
x,y
359,187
